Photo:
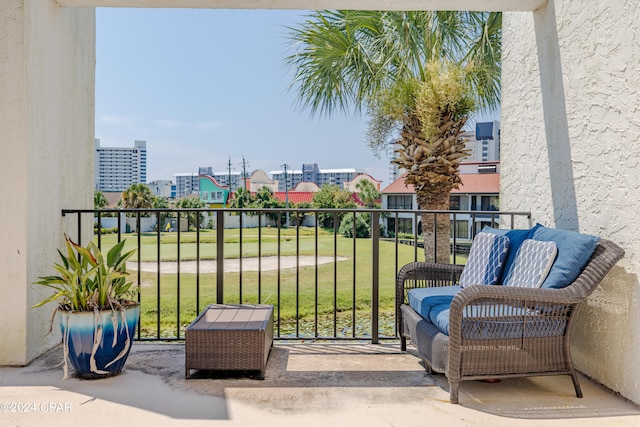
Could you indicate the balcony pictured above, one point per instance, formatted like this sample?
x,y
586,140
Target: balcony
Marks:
x,y
336,359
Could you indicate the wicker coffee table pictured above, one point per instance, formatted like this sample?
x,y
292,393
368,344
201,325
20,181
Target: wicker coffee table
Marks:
x,y
230,337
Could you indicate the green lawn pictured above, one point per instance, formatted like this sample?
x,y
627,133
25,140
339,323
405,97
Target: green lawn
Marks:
x,y
303,294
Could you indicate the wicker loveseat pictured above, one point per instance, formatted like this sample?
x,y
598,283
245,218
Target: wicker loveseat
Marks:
x,y
495,331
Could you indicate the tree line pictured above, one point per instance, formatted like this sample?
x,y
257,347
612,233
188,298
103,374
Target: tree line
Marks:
x,y
139,196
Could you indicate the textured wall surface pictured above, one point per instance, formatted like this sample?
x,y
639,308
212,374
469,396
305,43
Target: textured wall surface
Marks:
x,y
571,154
318,4
47,57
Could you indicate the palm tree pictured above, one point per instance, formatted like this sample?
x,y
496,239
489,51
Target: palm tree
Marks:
x,y
265,199
137,196
368,194
99,201
194,218
160,203
241,199
420,73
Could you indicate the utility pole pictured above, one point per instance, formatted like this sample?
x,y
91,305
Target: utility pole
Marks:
x,y
229,181
286,194
242,176
244,173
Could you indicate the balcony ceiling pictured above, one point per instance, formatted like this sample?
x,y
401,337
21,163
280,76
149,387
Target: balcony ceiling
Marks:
x,y
504,5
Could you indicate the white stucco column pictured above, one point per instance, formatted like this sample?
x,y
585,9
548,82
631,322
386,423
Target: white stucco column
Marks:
x,y
570,153
47,63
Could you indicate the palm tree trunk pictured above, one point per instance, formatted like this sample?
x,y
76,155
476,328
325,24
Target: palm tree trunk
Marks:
x,y
435,227
433,170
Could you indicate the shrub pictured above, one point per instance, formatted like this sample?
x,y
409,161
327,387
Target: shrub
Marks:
x,y
346,226
111,230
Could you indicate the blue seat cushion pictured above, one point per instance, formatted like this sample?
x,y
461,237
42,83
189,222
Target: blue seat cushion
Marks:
x,y
439,316
518,323
516,238
574,251
422,300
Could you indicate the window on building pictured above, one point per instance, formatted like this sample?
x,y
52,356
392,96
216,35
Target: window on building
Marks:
x,y
454,203
405,225
461,229
459,202
489,203
400,202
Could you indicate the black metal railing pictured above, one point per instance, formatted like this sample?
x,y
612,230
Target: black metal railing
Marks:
x,y
323,285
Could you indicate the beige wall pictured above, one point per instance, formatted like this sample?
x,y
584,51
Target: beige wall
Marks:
x,y
571,155
46,135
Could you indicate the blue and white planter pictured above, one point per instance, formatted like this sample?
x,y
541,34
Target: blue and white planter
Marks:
x,y
97,343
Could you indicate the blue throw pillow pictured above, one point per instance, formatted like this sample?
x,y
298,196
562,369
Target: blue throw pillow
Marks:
x,y
487,255
574,251
516,237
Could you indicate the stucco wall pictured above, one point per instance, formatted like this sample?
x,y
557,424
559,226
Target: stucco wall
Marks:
x,y
571,152
46,134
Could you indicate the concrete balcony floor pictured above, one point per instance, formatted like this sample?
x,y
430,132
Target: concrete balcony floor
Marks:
x,y
305,385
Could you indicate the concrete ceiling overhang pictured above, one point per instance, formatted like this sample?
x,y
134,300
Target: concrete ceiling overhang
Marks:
x,y
478,5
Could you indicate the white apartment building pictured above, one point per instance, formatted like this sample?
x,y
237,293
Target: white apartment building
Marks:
x,y
484,142
116,168
186,184
162,188
311,173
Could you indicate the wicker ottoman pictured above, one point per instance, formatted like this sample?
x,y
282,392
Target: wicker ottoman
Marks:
x,y
230,337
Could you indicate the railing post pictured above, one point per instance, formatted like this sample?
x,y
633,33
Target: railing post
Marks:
x,y
375,269
220,257
79,240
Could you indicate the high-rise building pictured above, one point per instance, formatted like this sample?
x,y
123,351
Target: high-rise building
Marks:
x,y
116,168
485,142
186,184
311,173
394,170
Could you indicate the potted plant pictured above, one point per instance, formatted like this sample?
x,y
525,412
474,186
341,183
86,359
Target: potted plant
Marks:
x,y
97,308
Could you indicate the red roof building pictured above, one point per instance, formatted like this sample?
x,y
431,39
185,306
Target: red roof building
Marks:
x,y
478,191
295,197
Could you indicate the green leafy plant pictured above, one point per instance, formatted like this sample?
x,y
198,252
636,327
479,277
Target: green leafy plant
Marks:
x,y
86,281
362,226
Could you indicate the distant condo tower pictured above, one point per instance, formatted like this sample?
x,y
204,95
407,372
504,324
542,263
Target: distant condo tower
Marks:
x,y
116,168
311,173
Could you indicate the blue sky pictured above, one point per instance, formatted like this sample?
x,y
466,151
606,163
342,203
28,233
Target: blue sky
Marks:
x,y
201,86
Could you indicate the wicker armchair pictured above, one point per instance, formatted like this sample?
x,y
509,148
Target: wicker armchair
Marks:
x,y
498,331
